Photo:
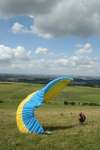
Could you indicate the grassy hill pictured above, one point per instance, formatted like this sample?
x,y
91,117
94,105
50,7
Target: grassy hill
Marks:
x,y
62,120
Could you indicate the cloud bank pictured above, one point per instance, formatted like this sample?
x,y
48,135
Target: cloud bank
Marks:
x,y
42,61
56,18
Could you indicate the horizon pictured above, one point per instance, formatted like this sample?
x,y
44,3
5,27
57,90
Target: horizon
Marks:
x,y
50,75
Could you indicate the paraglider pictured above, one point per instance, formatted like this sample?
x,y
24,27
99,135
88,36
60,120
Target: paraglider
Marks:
x,y
25,117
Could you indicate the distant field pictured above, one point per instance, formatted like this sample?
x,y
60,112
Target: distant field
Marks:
x,y
12,93
15,92
62,120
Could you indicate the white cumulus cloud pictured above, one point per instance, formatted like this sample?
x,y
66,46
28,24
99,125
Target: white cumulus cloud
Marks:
x,y
41,50
84,49
17,27
8,54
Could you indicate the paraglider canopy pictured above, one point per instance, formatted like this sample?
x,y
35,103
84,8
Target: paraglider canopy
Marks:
x,y
54,87
25,117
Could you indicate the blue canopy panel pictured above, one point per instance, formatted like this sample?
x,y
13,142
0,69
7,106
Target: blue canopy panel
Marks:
x,y
31,123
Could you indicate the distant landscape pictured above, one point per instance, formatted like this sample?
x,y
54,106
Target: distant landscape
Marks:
x,y
43,79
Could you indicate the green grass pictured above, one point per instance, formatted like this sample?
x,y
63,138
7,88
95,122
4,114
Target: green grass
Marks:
x,y
67,133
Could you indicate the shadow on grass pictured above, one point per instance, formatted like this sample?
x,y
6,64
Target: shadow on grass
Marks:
x,y
54,128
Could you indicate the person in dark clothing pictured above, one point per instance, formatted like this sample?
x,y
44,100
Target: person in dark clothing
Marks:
x,y
82,118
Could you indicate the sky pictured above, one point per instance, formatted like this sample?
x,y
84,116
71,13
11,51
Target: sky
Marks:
x,y
60,37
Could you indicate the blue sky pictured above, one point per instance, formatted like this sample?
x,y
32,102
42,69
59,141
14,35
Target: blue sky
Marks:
x,y
57,38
